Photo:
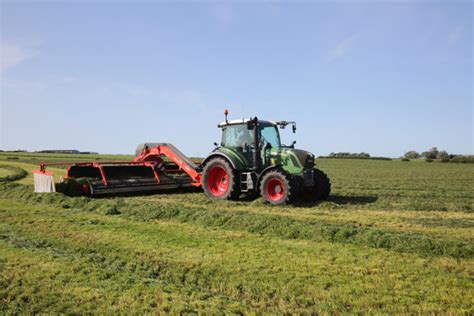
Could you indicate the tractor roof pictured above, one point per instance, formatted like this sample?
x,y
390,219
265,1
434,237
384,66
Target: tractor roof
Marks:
x,y
243,121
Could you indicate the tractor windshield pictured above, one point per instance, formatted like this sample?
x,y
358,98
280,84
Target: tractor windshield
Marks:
x,y
237,136
269,135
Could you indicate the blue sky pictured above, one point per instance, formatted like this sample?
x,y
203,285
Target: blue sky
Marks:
x,y
382,77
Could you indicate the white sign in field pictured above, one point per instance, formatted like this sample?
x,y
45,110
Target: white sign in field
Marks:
x,y
44,182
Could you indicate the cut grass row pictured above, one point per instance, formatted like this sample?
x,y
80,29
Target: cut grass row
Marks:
x,y
57,157
267,224
72,261
27,177
432,223
11,173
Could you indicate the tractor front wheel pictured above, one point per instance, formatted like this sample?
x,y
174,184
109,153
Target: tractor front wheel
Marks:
x,y
276,187
320,190
219,180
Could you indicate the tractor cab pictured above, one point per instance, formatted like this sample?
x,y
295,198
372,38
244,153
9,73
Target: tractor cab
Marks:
x,y
253,140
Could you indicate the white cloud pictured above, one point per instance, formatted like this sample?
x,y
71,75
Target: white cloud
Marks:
x,y
454,35
342,48
12,55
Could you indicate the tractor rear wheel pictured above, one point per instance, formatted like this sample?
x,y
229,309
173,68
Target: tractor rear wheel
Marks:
x,y
277,187
321,188
220,181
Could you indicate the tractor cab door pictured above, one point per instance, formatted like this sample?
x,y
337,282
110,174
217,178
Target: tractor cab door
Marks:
x,y
269,138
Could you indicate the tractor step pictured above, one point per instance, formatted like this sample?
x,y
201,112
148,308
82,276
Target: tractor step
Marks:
x,y
246,181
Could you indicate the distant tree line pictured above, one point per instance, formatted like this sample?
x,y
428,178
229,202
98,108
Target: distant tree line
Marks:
x,y
55,151
348,155
433,154
14,151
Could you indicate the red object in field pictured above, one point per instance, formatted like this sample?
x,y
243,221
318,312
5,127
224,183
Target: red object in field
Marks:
x,y
157,166
156,153
275,189
218,180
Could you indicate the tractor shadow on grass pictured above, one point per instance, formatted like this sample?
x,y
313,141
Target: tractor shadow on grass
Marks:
x,y
352,199
342,200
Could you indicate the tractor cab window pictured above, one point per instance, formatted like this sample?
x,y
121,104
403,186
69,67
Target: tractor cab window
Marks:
x,y
270,136
237,136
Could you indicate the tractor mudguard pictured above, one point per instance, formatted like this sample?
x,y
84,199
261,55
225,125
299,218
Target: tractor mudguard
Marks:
x,y
236,162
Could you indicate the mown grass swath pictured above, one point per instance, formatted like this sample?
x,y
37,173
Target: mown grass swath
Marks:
x,y
200,269
11,173
394,237
265,224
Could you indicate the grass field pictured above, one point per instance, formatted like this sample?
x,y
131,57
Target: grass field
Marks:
x,y
394,237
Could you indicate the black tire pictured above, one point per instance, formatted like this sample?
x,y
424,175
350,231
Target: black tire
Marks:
x,y
213,182
320,190
277,187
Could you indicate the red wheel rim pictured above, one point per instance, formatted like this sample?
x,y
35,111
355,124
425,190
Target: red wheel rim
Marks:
x,y
275,189
218,181
85,189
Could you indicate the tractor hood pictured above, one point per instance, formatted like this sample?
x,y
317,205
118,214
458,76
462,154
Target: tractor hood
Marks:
x,y
293,160
305,158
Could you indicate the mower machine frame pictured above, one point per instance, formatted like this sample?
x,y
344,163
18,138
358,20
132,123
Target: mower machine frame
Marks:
x,y
149,171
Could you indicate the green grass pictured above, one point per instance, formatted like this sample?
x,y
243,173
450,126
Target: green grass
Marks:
x,y
4,173
38,157
394,237
11,173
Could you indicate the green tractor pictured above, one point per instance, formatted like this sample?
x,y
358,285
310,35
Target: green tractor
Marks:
x,y
251,160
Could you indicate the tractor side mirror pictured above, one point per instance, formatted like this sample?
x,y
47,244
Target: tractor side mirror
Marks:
x,y
215,144
294,128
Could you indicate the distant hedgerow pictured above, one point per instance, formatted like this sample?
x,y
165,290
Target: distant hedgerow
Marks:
x,y
463,159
